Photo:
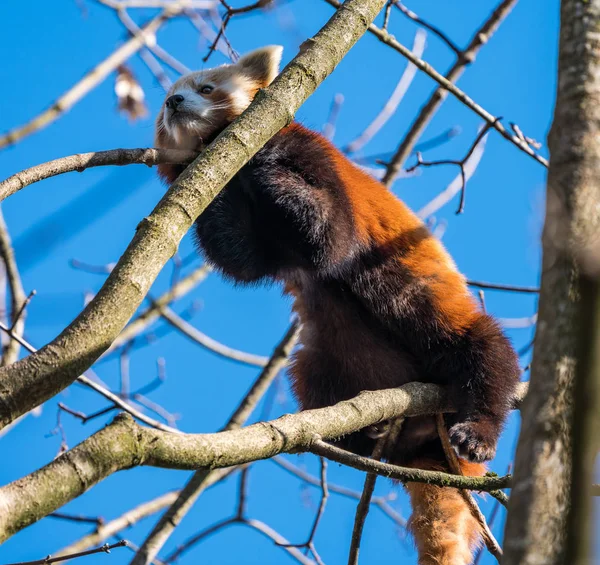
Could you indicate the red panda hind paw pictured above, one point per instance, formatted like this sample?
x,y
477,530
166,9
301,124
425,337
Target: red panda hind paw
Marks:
x,y
472,441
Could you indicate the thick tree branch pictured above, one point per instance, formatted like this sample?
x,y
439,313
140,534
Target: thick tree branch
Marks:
x,y
124,444
33,380
83,161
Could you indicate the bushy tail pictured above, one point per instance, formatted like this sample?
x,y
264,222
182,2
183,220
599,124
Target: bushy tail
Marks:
x,y
443,527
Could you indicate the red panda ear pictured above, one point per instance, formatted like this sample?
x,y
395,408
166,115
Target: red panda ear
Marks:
x,y
262,65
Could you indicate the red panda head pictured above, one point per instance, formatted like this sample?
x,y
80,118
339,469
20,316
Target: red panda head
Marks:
x,y
200,105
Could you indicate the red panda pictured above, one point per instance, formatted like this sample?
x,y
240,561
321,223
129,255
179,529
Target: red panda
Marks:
x,y
380,300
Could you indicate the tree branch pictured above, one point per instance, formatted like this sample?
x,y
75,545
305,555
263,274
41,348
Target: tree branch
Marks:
x,y
83,161
124,444
33,380
211,344
18,298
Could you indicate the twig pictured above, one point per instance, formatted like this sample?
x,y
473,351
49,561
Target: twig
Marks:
x,y
458,184
394,100
518,323
507,287
85,418
82,161
156,69
334,112
452,459
209,343
408,474
18,299
240,518
309,543
230,13
113,527
90,80
196,485
198,537
82,379
151,44
463,163
207,32
362,509
436,31
380,502
49,559
97,521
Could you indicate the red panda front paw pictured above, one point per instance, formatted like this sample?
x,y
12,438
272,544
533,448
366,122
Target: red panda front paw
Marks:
x,y
474,441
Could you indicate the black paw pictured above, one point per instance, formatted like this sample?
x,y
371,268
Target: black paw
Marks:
x,y
473,441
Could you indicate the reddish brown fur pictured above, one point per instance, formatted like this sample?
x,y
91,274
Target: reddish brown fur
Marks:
x,y
445,531
381,219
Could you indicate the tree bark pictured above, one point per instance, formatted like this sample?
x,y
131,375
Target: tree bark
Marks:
x,y
541,498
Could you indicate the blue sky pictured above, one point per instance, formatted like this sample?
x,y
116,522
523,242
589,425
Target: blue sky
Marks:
x,y
92,216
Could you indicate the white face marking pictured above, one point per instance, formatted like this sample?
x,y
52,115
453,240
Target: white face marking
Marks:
x,y
237,93
191,120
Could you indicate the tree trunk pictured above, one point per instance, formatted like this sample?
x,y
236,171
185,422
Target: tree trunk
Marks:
x,y
539,509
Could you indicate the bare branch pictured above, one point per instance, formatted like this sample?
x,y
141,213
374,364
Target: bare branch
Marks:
x,y
466,168
90,383
436,31
364,504
151,314
394,100
82,161
209,343
49,559
380,501
128,519
18,298
459,183
463,59
151,44
507,287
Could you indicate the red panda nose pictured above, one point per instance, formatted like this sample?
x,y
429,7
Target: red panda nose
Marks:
x,y
173,101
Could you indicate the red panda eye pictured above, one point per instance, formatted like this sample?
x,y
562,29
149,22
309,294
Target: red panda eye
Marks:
x,y
206,89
